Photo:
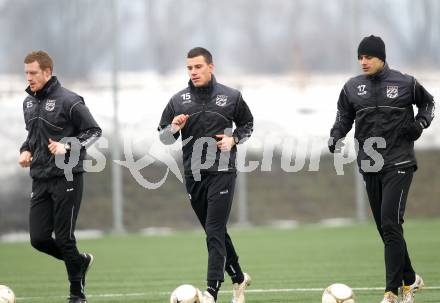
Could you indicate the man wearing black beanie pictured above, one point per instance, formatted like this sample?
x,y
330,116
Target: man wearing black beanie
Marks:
x,y
381,102
372,46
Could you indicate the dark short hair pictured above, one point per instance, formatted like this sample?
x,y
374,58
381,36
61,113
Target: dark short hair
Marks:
x,y
200,51
43,59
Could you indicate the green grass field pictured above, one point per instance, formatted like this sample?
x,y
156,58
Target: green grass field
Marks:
x,y
286,265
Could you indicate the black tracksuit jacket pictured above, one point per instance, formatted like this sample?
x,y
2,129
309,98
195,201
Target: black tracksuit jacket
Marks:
x,y
381,105
55,112
212,111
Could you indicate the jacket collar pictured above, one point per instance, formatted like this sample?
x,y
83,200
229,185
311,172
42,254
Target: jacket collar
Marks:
x,y
203,90
47,89
381,74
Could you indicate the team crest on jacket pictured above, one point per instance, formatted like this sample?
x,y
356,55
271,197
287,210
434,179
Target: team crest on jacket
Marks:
x,y
50,105
221,100
392,91
29,104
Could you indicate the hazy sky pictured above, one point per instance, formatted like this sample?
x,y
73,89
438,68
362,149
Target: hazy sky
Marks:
x,y
245,36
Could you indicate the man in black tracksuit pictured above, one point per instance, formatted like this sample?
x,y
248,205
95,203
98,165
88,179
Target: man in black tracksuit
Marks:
x,y
204,113
381,103
52,114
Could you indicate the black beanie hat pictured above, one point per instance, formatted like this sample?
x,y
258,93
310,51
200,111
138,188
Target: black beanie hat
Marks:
x,y
372,46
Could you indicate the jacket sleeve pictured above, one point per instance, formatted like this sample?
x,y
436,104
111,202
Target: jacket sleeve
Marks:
x,y
425,104
165,134
25,145
89,130
243,120
344,117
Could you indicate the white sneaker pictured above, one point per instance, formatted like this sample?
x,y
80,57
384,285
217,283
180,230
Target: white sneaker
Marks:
x,y
409,291
207,298
238,289
389,297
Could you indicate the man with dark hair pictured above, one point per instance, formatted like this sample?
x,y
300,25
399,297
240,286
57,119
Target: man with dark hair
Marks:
x,y
200,51
53,113
381,102
203,113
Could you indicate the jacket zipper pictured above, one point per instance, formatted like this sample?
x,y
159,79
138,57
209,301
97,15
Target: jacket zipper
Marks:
x,y
38,144
374,81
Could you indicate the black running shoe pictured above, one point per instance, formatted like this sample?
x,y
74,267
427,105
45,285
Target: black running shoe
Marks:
x,y
87,264
76,299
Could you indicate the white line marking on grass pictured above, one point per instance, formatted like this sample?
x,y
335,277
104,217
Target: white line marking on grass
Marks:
x,y
270,290
319,289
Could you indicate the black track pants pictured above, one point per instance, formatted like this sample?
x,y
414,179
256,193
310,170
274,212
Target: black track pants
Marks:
x,y
387,193
54,208
211,199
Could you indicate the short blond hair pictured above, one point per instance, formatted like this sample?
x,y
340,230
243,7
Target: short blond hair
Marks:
x,y
43,59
